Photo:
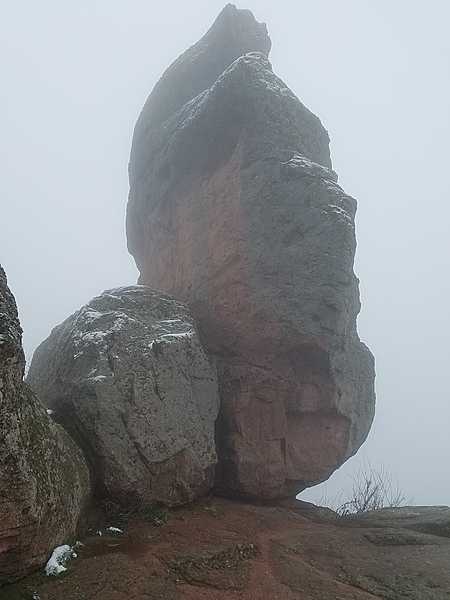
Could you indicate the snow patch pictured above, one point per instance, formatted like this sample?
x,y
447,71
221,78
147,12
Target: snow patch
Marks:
x,y
87,318
185,334
338,210
171,321
171,337
90,315
97,378
93,336
274,86
57,561
306,166
114,530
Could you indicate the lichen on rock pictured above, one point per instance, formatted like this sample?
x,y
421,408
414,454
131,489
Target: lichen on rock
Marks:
x,y
44,479
128,378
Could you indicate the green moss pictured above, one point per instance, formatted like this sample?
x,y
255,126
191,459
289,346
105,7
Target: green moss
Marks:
x,y
190,567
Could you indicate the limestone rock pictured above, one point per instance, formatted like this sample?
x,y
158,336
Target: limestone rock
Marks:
x,y
127,376
44,480
234,208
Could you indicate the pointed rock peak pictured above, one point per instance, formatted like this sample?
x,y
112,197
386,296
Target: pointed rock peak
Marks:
x,y
234,33
239,28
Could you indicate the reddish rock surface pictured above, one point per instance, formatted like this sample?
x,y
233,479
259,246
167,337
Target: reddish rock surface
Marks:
x,y
222,550
234,209
44,481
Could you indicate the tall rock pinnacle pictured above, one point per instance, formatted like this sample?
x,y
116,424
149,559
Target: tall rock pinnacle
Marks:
x,y
235,210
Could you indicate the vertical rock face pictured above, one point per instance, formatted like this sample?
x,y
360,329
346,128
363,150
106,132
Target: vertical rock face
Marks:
x,y
127,376
44,482
234,208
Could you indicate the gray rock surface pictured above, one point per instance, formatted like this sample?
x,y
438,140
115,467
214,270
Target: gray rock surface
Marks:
x,y
44,480
234,209
128,377
433,520
233,34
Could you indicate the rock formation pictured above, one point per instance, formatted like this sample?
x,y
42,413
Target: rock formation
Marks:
x,y
234,208
44,481
127,376
433,520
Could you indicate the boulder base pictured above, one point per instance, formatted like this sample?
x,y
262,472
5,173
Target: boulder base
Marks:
x,y
128,377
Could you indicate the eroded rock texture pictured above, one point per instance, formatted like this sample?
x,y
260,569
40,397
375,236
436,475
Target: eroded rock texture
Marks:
x,y
234,208
44,481
128,377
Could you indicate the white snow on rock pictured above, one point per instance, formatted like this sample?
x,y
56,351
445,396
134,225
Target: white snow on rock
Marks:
x,y
57,561
184,334
97,378
171,321
89,315
171,337
93,320
114,530
341,212
305,166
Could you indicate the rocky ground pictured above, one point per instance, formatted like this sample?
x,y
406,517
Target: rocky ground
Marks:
x,y
223,550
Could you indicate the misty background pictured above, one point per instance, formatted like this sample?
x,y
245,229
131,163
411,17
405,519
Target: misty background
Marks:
x,y
74,78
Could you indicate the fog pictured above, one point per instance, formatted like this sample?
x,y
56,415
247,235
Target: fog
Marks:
x,y
74,78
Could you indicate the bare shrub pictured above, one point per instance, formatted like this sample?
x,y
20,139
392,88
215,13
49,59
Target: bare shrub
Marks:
x,y
372,489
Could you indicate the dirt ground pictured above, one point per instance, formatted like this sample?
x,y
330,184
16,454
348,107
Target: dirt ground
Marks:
x,y
224,550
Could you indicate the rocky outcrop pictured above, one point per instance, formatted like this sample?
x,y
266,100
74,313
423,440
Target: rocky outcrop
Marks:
x,y
226,550
434,520
127,376
234,208
44,481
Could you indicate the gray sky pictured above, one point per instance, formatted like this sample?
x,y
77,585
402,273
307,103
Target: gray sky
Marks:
x,y
74,77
